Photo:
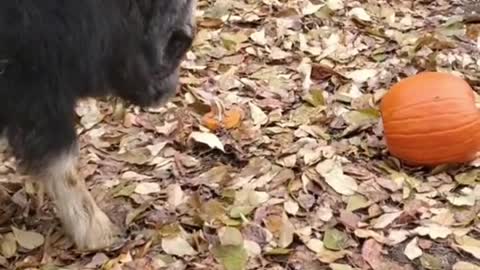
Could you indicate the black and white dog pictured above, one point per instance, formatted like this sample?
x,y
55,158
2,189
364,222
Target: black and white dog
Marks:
x,y
54,52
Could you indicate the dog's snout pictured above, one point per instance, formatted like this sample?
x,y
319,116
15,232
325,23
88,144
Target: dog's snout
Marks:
x,y
182,37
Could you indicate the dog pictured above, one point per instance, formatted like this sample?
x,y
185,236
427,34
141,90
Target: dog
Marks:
x,y
55,52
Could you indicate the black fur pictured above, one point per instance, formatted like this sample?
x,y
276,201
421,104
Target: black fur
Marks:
x,y
54,52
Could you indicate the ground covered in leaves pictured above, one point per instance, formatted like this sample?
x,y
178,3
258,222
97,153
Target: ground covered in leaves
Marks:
x,y
272,154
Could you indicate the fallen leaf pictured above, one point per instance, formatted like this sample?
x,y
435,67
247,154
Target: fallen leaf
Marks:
x,y
278,54
467,178
212,210
396,237
335,5
335,239
167,128
214,176
315,98
315,245
8,245
207,138
330,256
357,202
231,257
310,8
362,75
333,174
258,116
371,253
431,262
349,219
176,196
412,251
465,266
462,200
386,219
146,188
291,207
253,248
129,175
360,14
132,215
209,120
138,156
469,245
337,266
230,236
361,233
435,231
89,113
359,118
286,232
28,239
232,118
177,246
259,37
97,261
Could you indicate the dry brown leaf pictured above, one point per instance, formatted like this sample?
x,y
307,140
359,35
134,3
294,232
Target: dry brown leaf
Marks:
x,y
371,253
207,138
209,120
465,266
177,246
469,244
412,251
28,239
233,118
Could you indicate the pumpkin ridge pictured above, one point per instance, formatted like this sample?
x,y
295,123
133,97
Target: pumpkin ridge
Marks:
x,y
447,158
422,126
427,159
413,105
416,149
437,132
436,150
425,117
432,153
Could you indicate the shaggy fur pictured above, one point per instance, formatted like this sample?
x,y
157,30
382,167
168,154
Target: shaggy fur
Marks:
x,y
54,52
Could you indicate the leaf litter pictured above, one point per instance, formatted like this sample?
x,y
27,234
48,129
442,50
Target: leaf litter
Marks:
x,y
272,155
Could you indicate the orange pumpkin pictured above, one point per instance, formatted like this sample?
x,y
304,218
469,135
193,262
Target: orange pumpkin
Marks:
x,y
431,119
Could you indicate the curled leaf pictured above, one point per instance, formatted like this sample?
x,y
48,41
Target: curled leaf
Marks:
x,y
210,121
208,138
232,118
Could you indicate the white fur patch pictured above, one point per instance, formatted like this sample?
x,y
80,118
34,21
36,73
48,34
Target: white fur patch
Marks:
x,y
82,219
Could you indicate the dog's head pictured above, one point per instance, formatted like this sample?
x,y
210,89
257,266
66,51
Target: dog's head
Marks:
x,y
162,31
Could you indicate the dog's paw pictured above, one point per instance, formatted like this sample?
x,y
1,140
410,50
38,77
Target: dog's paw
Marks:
x,y
96,233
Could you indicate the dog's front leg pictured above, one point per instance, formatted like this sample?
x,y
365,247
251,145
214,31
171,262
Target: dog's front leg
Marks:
x,y
47,148
82,219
